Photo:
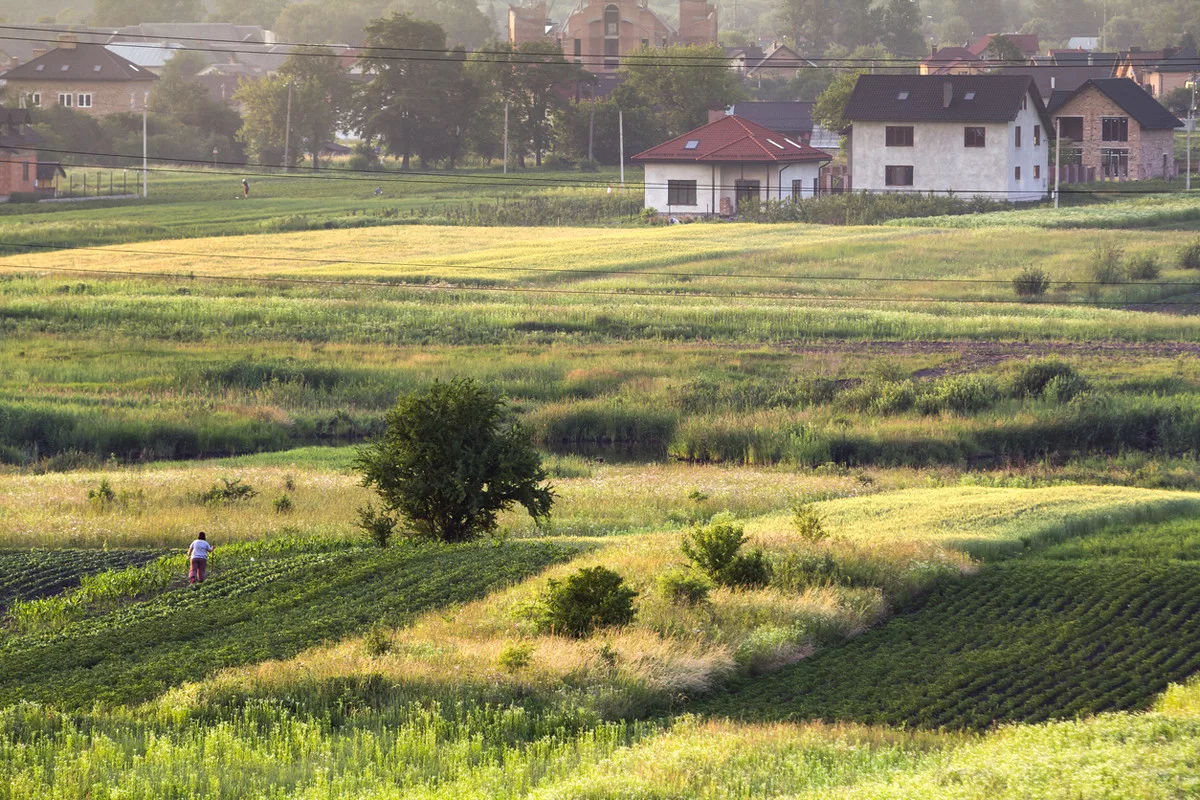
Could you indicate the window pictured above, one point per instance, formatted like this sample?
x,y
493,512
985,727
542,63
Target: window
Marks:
x,y
1071,128
1114,163
611,52
1037,135
25,171
1017,174
898,176
902,96
612,20
797,189
1037,171
35,99
974,137
969,96
64,99
692,144
898,136
1114,129
1017,136
84,100
681,193
578,47
746,190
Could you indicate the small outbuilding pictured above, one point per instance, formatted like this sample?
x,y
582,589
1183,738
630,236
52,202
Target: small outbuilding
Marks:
x,y
714,168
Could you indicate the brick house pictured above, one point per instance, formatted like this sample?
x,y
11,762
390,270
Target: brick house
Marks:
x,y
86,77
1163,77
18,153
1116,128
597,33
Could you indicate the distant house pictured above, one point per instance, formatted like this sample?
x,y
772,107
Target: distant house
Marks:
x,y
1137,65
1162,77
152,56
952,61
86,77
18,145
742,59
1117,129
1027,43
780,61
714,168
982,135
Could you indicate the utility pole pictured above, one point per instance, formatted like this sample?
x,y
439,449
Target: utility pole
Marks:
x,y
506,138
145,153
1057,156
287,133
621,134
591,126
1191,124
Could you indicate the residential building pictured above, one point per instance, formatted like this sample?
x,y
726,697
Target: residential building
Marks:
x,y
86,77
18,153
792,118
952,61
1116,128
984,135
1162,77
1027,43
1051,77
1136,63
780,61
597,33
743,59
711,170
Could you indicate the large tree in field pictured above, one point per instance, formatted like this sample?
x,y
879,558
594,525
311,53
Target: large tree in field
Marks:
x,y
320,94
681,84
415,82
453,457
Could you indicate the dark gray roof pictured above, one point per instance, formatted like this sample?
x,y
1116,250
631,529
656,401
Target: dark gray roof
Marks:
x,y
997,98
1051,79
20,41
1086,58
1133,99
1184,60
793,117
15,133
84,62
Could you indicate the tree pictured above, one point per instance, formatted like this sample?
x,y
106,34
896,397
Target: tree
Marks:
x,y
830,109
192,124
131,12
901,28
668,80
451,460
320,94
1002,49
462,20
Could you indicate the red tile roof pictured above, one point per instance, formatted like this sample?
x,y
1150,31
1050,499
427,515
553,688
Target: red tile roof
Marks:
x,y
733,139
1027,43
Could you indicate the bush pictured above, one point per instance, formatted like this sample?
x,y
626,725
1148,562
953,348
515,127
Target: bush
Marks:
x,y
452,458
103,495
1033,378
962,394
715,549
808,523
593,597
515,656
282,504
1143,267
1189,256
1031,282
228,490
894,397
1065,388
1107,265
684,587
378,527
589,166
798,571
377,640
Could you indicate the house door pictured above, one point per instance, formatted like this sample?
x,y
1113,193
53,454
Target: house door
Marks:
x,y
1166,169
746,190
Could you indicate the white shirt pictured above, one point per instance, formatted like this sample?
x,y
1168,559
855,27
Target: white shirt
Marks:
x,y
200,549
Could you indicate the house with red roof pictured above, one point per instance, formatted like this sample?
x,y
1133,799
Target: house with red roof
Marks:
x,y
714,168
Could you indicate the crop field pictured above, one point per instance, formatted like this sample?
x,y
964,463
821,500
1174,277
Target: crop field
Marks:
x,y
33,574
1097,624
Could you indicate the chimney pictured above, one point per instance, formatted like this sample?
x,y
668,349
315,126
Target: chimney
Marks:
x,y
67,41
38,52
932,50
947,93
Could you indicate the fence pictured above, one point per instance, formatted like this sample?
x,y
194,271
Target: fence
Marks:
x,y
97,184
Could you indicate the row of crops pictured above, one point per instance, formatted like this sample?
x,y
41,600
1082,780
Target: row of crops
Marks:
x,y
271,607
33,574
1075,630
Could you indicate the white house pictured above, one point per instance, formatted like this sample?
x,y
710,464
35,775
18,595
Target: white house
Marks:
x,y
714,168
971,135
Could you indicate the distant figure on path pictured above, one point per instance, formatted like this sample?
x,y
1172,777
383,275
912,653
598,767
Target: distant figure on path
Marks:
x,y
198,557
245,189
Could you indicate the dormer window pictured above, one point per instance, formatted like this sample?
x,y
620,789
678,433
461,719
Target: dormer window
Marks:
x,y
65,67
96,68
40,68
902,96
969,96
692,144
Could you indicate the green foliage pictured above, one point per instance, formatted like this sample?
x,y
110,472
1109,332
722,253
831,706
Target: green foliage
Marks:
x,y
1143,267
1032,379
377,526
1031,282
283,503
961,394
515,656
830,109
866,208
684,587
795,572
809,523
715,549
1107,264
590,598
28,575
103,495
378,640
228,490
1065,388
665,79
1100,623
452,459
1189,256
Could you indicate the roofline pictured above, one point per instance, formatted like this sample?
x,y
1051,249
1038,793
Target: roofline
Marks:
x,y
1092,82
819,156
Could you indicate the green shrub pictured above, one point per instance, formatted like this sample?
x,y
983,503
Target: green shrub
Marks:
x,y
589,166
962,394
798,571
1031,282
1031,381
1065,388
282,504
1143,267
809,523
515,656
1108,262
377,526
593,597
684,587
1189,256
377,640
894,397
103,495
228,490
715,549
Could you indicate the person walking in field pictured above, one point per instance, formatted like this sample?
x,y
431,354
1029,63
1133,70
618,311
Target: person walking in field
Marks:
x,y
245,189
198,558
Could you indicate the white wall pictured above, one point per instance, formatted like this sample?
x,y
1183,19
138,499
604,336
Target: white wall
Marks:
x,y
714,182
941,163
